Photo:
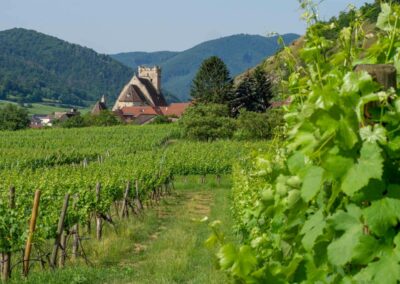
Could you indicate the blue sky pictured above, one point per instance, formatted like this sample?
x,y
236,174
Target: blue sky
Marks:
x,y
130,25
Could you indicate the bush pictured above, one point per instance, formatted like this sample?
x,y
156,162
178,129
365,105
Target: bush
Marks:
x,y
13,117
207,122
161,119
104,118
253,125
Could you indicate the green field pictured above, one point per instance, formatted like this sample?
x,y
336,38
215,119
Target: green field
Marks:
x,y
166,245
38,108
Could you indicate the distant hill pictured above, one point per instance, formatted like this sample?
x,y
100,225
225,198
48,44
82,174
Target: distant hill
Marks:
x,y
35,67
239,52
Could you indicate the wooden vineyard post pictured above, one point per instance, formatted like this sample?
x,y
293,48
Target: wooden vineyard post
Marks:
x,y
137,197
384,74
32,227
63,245
6,267
219,179
98,217
125,201
75,232
60,230
75,241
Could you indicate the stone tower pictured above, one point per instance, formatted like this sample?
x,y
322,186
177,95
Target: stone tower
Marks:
x,y
153,74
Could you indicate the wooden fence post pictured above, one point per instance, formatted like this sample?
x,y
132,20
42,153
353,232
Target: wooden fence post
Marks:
x,y
137,197
125,212
60,230
63,245
98,217
75,241
384,74
32,227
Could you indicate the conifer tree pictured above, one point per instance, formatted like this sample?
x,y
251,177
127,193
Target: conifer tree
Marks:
x,y
212,83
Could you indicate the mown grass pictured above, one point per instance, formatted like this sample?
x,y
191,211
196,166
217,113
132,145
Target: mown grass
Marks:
x,y
38,108
165,245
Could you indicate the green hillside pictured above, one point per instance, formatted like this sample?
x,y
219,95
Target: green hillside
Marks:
x,y
239,52
35,67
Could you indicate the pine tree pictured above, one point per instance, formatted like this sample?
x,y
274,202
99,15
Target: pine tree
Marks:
x,y
253,93
212,83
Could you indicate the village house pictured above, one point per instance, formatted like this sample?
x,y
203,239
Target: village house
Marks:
x,y
141,100
41,120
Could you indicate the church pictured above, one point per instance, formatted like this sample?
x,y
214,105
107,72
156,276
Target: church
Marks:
x,y
141,100
143,89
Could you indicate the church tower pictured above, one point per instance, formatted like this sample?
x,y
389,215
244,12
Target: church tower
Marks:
x,y
153,74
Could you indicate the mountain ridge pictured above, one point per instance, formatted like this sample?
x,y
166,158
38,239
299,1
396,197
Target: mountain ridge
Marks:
x,y
36,67
239,52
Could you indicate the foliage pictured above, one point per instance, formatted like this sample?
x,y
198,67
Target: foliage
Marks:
x,y
252,125
207,122
260,126
36,67
239,52
72,122
253,93
104,118
13,117
161,119
322,207
212,83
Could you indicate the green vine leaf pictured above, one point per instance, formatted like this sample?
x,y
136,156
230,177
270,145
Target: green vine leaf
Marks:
x,y
382,215
369,166
375,133
312,183
312,229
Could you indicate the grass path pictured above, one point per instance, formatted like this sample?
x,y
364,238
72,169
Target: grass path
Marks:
x,y
166,246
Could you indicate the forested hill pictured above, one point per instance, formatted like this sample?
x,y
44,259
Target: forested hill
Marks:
x,y
239,52
36,67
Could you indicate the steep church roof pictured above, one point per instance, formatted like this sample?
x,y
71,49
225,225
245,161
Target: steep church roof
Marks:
x,y
133,95
142,90
157,98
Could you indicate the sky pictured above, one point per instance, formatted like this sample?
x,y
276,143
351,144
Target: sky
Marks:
x,y
112,26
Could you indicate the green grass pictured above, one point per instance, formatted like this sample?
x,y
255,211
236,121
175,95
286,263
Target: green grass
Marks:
x,y
166,245
38,108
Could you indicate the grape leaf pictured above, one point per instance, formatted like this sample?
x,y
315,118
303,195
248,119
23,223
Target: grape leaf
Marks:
x,y
341,250
375,134
296,162
369,166
312,229
385,270
312,183
384,18
382,215
347,136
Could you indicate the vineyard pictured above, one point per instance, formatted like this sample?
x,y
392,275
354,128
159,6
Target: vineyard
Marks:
x,y
317,203
78,179
323,206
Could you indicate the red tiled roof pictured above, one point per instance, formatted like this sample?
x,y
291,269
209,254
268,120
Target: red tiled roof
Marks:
x,y
140,110
175,109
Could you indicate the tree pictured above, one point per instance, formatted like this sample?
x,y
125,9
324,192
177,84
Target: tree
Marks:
x,y
255,125
207,122
72,122
104,118
212,83
13,117
253,93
